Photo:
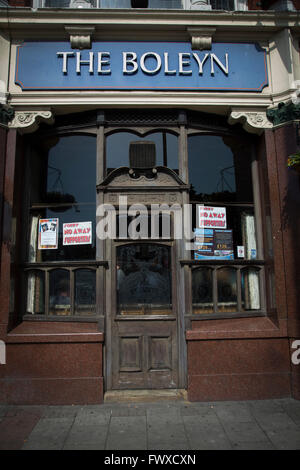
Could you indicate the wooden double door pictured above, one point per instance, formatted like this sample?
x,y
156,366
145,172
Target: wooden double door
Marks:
x,y
143,329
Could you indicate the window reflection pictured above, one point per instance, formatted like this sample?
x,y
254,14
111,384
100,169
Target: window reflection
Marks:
x,y
144,280
202,291
63,170
117,149
250,289
36,292
59,288
63,186
85,292
227,290
219,171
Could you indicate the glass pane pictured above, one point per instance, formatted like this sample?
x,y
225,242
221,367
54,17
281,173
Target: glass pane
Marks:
x,y
117,149
168,4
241,222
151,4
222,4
115,3
144,280
36,292
85,292
248,234
59,291
250,289
218,172
202,291
227,290
75,251
63,170
57,3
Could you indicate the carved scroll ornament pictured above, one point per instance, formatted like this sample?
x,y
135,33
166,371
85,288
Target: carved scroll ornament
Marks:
x,y
254,122
28,121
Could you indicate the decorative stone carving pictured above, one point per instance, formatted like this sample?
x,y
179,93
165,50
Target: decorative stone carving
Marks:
x,y
120,177
28,121
80,36
142,198
201,38
253,121
125,180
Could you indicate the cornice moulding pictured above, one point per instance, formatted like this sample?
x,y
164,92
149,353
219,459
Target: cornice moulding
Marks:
x,y
260,20
197,101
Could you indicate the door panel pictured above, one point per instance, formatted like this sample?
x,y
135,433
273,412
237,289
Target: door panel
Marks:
x,y
130,354
147,356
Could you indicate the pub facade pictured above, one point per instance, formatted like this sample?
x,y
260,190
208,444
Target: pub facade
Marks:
x,y
149,201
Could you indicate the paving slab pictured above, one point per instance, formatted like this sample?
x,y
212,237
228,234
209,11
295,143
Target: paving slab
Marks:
x,y
285,439
253,446
293,410
63,411
127,434
245,432
275,421
49,434
206,433
129,410
14,429
86,437
95,416
231,413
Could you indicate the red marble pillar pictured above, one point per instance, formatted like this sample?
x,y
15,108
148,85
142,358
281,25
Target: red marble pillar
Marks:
x,y
3,133
280,144
7,185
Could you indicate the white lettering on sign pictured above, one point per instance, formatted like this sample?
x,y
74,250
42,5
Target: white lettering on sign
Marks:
x,y
149,63
129,61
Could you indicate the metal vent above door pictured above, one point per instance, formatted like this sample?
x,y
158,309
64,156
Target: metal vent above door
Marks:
x,y
142,155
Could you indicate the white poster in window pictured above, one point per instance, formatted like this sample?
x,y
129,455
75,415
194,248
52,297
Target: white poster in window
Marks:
x,y
211,217
241,251
77,233
48,234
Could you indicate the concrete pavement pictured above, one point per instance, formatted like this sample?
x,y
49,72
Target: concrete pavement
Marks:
x,y
176,425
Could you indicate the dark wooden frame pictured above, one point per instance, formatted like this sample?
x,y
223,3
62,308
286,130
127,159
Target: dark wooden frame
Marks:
x,y
71,267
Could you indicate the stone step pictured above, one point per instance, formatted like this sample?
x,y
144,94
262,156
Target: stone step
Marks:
x,y
123,396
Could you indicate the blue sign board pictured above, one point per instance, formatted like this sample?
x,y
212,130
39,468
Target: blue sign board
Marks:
x,y
134,65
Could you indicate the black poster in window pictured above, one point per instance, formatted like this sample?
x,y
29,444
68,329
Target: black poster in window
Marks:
x,y
223,245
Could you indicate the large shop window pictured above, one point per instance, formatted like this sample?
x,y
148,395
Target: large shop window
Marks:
x,y
61,232
227,273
